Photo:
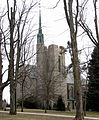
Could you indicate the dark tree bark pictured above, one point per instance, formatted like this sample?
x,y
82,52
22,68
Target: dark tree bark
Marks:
x,y
11,60
11,67
0,73
73,26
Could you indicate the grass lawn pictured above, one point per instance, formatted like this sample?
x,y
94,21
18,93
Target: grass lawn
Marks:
x,y
6,116
90,114
48,111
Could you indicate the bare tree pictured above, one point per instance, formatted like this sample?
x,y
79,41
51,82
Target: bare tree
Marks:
x,y
0,73
25,74
11,18
72,20
22,79
17,41
93,34
22,41
3,84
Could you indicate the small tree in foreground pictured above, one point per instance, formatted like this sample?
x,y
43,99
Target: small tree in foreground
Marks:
x,y
28,102
60,104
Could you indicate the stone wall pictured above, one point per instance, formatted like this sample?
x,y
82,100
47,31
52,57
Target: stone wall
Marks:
x,y
53,71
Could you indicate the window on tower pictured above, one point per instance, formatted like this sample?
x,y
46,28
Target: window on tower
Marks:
x,y
59,65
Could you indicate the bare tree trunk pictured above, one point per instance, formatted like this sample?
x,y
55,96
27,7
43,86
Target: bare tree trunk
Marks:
x,y
47,99
17,63
0,98
22,101
11,66
11,78
45,107
0,73
77,81
73,25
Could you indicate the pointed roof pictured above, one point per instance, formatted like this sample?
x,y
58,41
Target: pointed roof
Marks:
x,y
40,36
40,27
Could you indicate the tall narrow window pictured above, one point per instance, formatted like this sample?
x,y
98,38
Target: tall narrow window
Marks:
x,y
59,65
68,91
72,92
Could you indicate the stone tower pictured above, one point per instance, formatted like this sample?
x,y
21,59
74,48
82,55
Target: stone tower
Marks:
x,y
51,82
56,62
41,50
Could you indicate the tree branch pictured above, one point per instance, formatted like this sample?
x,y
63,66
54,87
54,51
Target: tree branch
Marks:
x,y
66,13
95,20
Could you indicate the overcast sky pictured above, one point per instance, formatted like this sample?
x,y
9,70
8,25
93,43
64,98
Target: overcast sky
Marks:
x,y
54,27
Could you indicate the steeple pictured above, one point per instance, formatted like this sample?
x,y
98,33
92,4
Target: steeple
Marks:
x,y
40,27
40,36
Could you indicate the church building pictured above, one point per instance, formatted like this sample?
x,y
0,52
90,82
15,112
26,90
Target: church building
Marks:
x,y
47,80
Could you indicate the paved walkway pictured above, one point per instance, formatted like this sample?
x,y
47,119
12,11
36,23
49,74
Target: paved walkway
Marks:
x,y
53,115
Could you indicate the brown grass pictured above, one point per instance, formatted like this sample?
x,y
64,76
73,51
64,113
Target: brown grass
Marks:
x,y
6,116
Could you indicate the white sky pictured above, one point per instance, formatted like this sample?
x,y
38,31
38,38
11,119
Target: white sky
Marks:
x,y
55,29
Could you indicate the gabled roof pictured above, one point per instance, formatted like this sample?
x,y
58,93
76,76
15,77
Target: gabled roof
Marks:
x,y
70,78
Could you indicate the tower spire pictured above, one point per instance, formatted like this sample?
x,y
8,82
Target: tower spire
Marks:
x,y
40,36
40,27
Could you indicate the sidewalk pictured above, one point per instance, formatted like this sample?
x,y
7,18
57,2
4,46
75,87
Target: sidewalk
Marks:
x,y
53,115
